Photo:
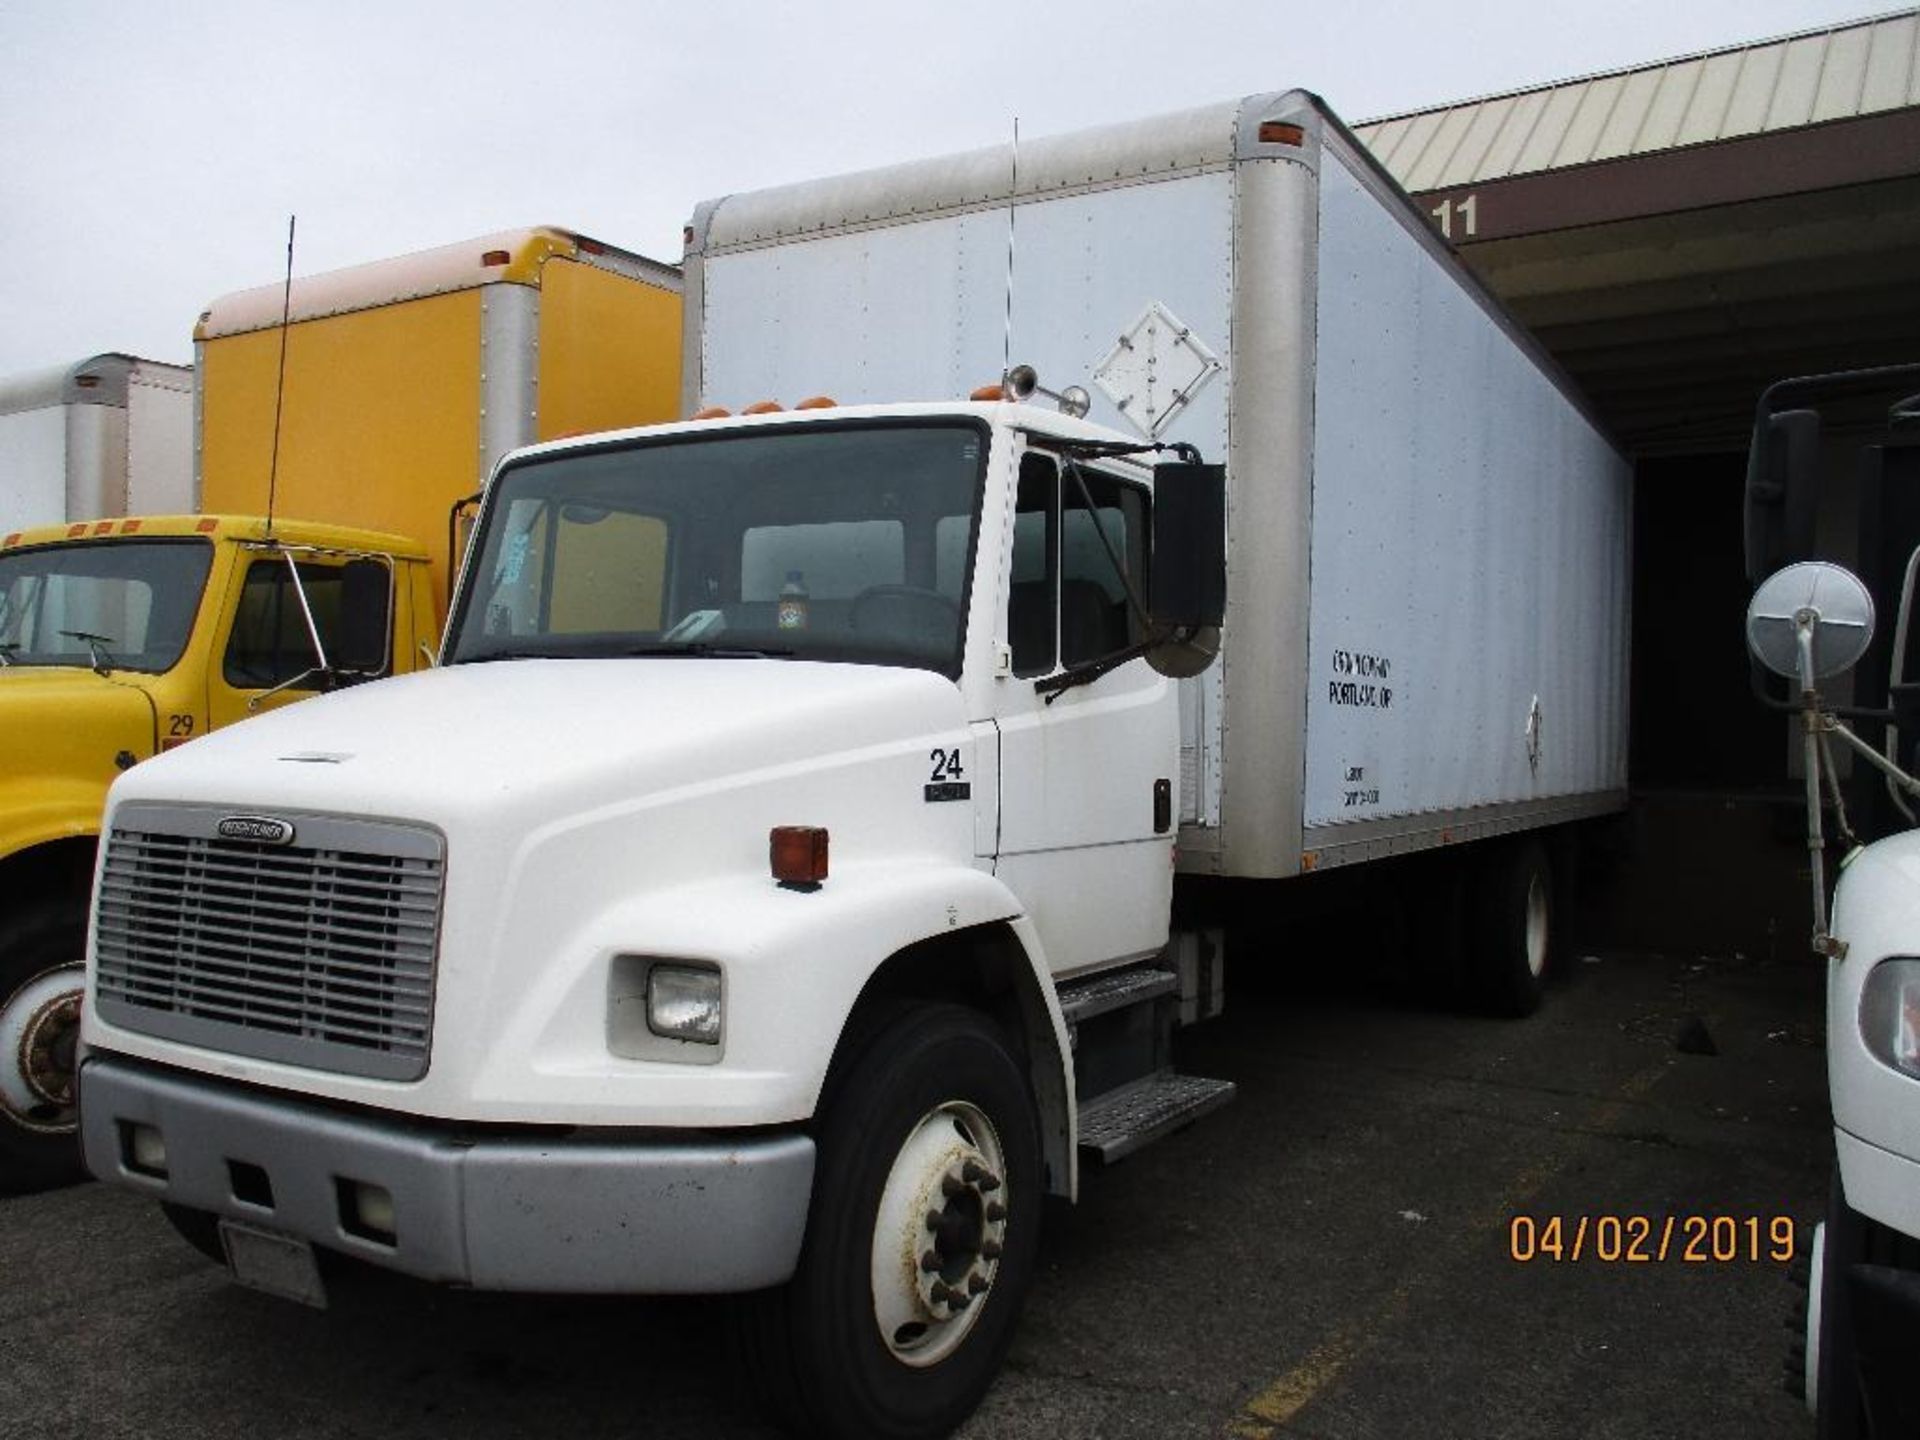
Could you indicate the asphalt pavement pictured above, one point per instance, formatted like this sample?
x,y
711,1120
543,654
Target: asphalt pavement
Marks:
x,y
1331,1256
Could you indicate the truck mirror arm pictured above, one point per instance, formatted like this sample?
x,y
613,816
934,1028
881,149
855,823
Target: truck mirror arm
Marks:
x,y
1106,544
306,613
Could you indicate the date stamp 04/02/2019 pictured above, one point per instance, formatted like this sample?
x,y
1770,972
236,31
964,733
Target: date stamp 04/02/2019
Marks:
x,y
1651,1239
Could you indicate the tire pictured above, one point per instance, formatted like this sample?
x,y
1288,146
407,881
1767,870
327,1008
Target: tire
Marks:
x,y
920,1242
1441,902
42,971
1830,1362
1513,928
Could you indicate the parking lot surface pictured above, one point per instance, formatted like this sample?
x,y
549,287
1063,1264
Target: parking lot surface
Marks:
x,y
1331,1256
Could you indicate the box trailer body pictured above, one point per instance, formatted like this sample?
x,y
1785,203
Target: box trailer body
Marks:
x,y
407,379
784,907
1429,535
107,436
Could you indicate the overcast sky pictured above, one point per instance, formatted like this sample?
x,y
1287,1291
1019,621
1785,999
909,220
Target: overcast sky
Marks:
x,y
150,153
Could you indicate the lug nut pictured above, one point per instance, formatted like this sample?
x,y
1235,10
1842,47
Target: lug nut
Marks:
x,y
935,1220
951,1187
957,1301
930,1261
942,1294
977,1283
996,1212
990,1250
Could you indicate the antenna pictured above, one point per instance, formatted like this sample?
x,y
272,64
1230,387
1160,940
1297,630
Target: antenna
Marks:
x,y
1013,191
280,384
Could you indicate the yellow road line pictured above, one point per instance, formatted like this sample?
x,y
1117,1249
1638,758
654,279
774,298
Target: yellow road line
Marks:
x,y
1286,1397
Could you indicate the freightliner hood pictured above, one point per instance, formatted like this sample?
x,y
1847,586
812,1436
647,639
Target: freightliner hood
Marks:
x,y
537,741
599,808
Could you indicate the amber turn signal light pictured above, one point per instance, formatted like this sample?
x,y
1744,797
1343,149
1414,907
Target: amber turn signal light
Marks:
x,y
798,855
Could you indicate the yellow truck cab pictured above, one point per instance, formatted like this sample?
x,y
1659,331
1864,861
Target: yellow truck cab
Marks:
x,y
120,639
383,394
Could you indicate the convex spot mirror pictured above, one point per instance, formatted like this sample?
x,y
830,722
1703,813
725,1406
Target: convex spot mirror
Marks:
x,y
1834,603
1188,590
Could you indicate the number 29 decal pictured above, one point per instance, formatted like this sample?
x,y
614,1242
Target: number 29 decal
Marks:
x,y
946,783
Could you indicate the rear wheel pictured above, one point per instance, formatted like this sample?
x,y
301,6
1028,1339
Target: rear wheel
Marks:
x,y
42,954
1513,927
920,1239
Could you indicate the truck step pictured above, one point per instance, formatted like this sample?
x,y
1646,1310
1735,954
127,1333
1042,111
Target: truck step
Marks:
x,y
1124,1120
1115,990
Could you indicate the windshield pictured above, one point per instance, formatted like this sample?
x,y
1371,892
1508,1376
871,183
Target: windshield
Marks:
x,y
119,604
824,542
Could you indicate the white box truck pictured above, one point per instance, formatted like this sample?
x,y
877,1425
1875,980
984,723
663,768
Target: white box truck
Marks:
x,y
109,435
772,890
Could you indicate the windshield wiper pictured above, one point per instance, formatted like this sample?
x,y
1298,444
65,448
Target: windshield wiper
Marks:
x,y
1090,671
705,650
96,648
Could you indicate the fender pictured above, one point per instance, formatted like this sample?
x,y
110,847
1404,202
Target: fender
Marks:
x,y
39,810
793,965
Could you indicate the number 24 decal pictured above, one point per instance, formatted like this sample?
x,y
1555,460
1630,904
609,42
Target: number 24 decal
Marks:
x,y
946,765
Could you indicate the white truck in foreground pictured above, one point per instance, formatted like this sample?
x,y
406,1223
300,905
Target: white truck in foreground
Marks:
x,y
1809,623
772,890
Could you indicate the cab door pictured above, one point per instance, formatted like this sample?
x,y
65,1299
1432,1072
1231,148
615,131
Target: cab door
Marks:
x,y
1086,769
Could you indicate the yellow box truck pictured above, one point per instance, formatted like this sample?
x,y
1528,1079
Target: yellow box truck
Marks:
x,y
314,562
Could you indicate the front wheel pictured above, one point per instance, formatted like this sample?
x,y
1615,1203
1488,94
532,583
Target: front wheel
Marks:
x,y
920,1238
42,953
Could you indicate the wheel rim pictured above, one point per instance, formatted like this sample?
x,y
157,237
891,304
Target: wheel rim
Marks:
x,y
1537,925
938,1236
39,1039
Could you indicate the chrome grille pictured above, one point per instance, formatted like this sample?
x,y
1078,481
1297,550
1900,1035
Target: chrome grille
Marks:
x,y
318,954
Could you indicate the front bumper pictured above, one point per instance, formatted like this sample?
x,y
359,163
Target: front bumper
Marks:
x,y
652,1215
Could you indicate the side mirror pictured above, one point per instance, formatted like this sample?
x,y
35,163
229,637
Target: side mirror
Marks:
x,y
366,617
1810,621
1188,592
1783,477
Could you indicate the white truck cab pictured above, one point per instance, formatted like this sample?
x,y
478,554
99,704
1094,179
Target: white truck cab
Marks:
x,y
1809,623
720,889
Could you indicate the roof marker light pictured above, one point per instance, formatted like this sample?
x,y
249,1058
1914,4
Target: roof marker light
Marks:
x,y
711,412
74,532
763,407
995,391
489,258
1280,132
818,402
13,539
130,527
206,525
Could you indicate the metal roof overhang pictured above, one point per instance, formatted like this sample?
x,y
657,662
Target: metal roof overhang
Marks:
x,y
1676,285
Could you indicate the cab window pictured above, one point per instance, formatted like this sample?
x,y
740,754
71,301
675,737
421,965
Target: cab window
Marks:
x,y
270,644
1067,603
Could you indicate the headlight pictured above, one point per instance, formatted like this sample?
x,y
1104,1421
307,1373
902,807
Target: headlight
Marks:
x,y
683,1003
1890,1014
